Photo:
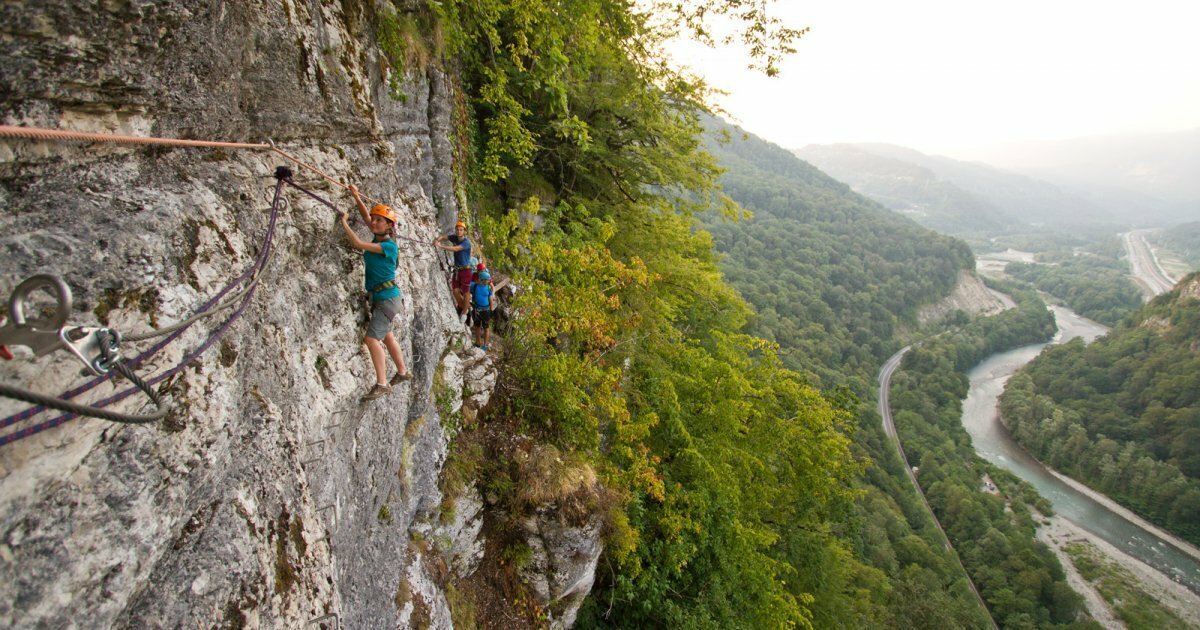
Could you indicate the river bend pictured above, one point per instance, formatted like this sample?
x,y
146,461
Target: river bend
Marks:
x,y
993,443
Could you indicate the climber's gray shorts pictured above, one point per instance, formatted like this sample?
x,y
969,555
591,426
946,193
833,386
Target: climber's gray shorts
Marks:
x,y
382,314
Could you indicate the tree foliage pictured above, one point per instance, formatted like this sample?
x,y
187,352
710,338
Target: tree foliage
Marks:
x,y
832,275
1092,281
735,481
833,278
627,350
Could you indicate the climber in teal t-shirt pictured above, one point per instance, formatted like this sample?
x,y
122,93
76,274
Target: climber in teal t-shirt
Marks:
x,y
380,259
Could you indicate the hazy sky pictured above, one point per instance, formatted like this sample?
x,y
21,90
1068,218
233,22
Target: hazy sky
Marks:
x,y
953,77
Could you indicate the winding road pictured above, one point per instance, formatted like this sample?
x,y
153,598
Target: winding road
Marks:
x,y
889,426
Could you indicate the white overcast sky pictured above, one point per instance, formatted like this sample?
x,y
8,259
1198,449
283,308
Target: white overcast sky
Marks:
x,y
954,77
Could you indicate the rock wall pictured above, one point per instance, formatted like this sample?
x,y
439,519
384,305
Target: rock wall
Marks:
x,y
970,296
270,496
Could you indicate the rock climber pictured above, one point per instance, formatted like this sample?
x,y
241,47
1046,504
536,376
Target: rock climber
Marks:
x,y
380,258
460,284
474,275
482,303
476,266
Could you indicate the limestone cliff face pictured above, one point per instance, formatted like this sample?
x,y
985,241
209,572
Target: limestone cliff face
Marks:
x,y
269,497
970,296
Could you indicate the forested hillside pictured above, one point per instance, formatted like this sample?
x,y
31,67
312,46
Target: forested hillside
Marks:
x,y
1022,582
1123,413
834,277
831,274
1080,265
724,472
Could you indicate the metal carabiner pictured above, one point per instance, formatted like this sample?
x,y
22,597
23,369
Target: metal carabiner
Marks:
x,y
47,331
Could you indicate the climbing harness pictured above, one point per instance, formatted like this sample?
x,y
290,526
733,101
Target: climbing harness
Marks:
x,y
382,286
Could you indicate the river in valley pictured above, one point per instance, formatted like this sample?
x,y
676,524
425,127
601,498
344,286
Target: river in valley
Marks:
x,y
992,441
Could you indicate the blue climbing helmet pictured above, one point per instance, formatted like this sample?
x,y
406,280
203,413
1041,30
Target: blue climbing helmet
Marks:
x,y
485,276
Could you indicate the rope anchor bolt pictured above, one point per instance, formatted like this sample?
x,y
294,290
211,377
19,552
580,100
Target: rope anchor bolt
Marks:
x,y
97,348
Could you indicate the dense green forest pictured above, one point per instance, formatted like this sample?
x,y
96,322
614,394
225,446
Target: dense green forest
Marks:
x,y
725,474
831,274
1092,281
1020,579
1098,239
889,530
1123,413
812,242
1097,290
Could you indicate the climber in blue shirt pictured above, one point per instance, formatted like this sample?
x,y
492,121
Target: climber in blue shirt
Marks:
x,y
381,256
482,303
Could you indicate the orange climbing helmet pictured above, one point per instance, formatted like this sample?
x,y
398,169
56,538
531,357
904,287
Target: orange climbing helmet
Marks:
x,y
460,224
385,212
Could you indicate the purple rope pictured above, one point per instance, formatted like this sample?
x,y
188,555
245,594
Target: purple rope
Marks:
x,y
262,256
216,335
313,195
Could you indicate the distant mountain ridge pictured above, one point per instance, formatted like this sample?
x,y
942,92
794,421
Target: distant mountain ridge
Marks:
x,y
959,197
1160,167
909,188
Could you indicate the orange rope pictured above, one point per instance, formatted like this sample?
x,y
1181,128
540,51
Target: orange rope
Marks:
x,y
58,134
36,133
317,171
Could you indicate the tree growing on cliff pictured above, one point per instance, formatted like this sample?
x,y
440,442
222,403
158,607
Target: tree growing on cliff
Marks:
x,y
628,350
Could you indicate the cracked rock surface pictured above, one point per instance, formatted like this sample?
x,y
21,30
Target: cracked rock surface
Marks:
x,y
270,496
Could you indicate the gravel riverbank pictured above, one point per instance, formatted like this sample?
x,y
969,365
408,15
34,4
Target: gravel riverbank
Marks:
x,y
1060,531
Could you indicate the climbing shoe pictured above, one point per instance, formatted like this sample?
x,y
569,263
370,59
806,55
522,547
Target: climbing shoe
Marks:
x,y
377,391
400,378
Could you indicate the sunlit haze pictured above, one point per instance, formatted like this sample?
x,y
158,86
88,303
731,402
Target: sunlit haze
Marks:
x,y
958,78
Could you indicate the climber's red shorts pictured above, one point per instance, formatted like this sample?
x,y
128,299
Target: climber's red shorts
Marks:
x,y
462,280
